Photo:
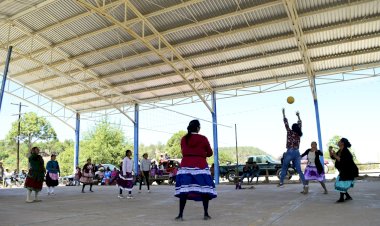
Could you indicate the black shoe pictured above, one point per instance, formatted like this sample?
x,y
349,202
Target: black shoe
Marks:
x,y
91,191
82,191
206,217
348,198
179,218
340,200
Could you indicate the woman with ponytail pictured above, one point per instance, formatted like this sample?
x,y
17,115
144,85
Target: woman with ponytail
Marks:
x,y
193,180
293,140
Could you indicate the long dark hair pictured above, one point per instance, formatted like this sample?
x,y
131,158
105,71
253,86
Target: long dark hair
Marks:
x,y
346,143
297,129
193,127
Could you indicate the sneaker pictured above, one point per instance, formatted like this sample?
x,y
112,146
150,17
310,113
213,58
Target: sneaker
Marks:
x,y
148,191
281,185
305,190
121,196
348,198
52,193
139,191
325,192
29,201
130,197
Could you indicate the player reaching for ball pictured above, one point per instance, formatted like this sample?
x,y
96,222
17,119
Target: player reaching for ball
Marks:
x,y
293,139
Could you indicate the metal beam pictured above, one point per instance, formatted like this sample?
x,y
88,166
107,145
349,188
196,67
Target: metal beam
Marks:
x,y
146,24
67,76
40,101
262,69
5,74
215,138
200,23
136,140
93,33
212,66
77,138
24,12
291,10
245,45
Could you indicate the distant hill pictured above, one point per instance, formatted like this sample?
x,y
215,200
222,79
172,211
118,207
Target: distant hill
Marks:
x,y
243,152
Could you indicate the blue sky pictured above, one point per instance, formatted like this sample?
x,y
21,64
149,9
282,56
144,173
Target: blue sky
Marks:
x,y
350,109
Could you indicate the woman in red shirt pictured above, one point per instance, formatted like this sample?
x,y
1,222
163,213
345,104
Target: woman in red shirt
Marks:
x,y
194,181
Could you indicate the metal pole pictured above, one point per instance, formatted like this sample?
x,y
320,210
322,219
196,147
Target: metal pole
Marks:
x,y
5,75
136,140
18,138
77,133
215,136
237,155
318,124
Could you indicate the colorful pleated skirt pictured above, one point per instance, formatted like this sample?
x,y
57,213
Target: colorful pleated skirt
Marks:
x,y
195,184
343,185
311,173
125,182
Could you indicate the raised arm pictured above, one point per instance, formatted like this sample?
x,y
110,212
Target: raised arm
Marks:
x,y
299,119
285,120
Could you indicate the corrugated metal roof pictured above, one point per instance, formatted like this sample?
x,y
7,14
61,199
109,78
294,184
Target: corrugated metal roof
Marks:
x,y
79,57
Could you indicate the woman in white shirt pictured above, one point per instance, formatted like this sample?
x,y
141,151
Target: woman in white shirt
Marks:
x,y
125,180
314,169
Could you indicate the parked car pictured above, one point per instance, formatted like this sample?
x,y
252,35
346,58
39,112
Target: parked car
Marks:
x,y
265,162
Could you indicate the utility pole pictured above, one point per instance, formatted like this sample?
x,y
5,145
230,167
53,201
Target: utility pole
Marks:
x,y
18,134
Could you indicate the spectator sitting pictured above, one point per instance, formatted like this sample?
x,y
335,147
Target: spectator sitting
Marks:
x,y
246,172
100,175
114,175
107,176
255,172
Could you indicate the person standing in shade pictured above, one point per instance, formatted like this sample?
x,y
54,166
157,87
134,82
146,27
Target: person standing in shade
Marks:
x,y
35,177
293,139
125,179
145,171
87,175
193,180
314,168
52,168
344,162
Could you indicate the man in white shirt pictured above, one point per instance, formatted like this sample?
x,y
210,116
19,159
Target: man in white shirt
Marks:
x,y
145,166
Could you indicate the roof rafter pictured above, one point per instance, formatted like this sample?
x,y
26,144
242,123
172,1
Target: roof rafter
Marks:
x,y
232,62
150,37
216,36
253,44
60,73
256,70
291,10
93,33
161,41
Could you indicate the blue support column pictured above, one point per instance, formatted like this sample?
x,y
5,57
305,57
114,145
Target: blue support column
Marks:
x,y
136,140
215,135
77,133
320,145
7,61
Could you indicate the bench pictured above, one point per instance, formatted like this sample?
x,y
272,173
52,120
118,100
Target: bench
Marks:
x,y
257,177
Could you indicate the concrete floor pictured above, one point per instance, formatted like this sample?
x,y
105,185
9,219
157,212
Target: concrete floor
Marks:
x,y
264,205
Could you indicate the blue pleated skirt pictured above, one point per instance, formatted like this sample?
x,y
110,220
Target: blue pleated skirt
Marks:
x,y
343,185
194,183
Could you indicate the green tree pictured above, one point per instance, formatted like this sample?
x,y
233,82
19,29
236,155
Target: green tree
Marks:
x,y
333,142
105,143
32,129
66,158
173,146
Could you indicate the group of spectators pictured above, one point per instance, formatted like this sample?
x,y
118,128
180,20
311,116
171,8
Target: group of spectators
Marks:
x,y
8,178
